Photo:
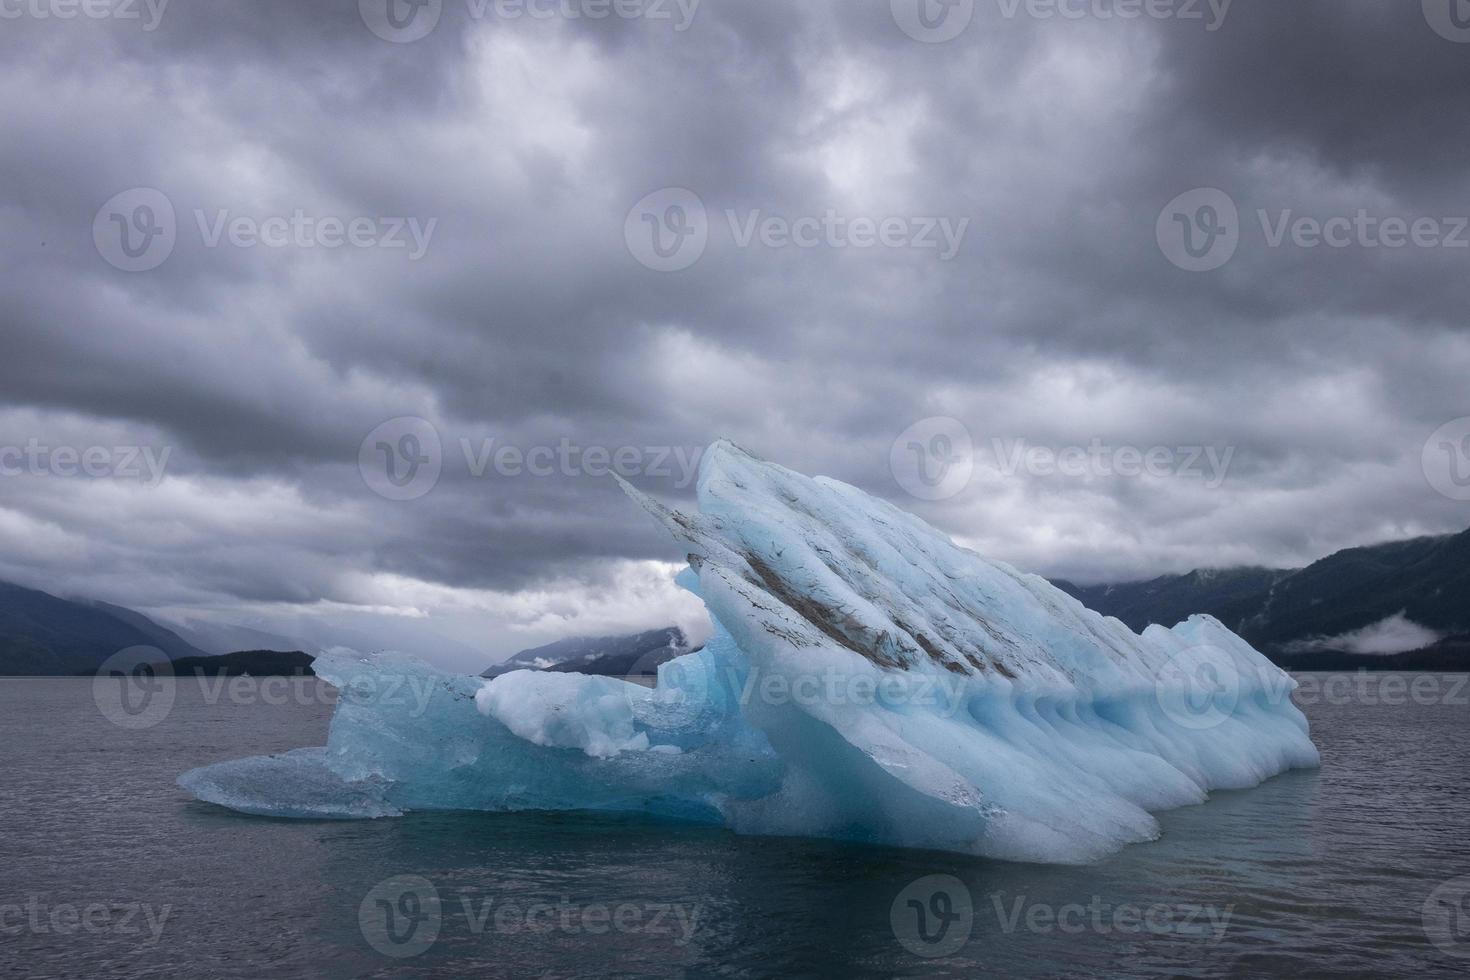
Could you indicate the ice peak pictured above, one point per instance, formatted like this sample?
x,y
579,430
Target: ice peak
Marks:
x,y
822,564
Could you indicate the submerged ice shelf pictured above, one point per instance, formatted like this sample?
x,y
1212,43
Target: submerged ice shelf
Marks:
x,y
867,680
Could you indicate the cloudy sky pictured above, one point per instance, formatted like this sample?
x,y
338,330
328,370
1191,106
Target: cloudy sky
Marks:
x,y
330,315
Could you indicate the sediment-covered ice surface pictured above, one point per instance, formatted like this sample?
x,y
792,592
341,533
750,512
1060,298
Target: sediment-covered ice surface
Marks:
x,y
867,680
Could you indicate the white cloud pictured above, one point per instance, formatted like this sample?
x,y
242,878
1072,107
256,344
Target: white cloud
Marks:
x,y
1396,634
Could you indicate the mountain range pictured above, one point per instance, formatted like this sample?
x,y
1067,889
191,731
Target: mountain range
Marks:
x,y
43,634
609,656
1403,605
1384,600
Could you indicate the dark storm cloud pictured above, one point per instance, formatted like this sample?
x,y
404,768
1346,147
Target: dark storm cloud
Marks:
x,y
1366,89
528,320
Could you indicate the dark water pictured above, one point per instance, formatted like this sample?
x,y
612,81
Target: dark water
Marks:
x,y
111,871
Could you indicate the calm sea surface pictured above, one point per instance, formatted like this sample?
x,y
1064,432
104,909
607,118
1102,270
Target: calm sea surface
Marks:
x,y
109,870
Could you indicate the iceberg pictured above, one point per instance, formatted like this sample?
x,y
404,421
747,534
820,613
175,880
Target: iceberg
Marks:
x,y
867,679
